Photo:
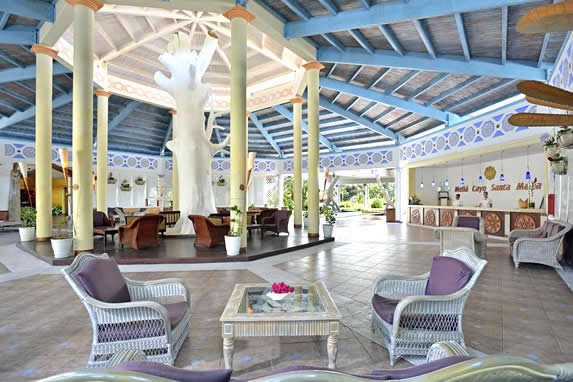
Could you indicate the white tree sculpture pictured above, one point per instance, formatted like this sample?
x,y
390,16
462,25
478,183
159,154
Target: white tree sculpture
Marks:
x,y
192,144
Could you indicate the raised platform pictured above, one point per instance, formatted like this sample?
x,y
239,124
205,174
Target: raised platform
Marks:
x,y
180,249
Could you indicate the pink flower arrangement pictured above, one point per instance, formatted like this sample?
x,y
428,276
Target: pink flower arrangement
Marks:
x,y
281,288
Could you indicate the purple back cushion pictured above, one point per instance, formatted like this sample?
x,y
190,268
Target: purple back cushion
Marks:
x,y
539,235
448,275
103,281
468,222
175,374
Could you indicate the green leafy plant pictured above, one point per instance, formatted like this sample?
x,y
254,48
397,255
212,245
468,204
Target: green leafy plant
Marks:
x,y
550,141
139,181
125,186
236,226
376,203
28,217
57,210
329,215
563,130
560,158
111,179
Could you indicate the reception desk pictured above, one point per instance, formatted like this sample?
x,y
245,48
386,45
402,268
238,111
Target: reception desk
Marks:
x,y
498,221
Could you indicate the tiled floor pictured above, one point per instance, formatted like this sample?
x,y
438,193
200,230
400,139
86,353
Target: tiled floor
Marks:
x,y
45,330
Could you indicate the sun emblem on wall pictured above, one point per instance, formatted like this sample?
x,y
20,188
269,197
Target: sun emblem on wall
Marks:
x,y
489,172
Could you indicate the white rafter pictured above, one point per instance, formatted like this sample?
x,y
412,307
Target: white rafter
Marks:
x,y
143,11
253,45
147,38
105,36
153,28
125,25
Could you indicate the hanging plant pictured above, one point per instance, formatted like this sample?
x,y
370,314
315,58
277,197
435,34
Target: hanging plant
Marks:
x,y
221,181
565,137
111,179
559,165
139,181
125,186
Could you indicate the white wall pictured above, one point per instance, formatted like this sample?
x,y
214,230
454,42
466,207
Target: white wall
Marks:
x,y
4,186
514,171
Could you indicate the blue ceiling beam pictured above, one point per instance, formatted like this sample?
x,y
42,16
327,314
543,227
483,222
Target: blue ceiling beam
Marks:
x,y
399,119
333,41
392,40
403,81
122,115
425,36
356,118
388,13
31,111
4,20
15,95
379,78
504,17
300,11
439,78
20,35
288,115
265,133
382,114
462,35
411,124
8,105
12,60
368,107
330,6
331,70
351,105
27,73
32,9
446,64
365,3
359,37
386,99
450,91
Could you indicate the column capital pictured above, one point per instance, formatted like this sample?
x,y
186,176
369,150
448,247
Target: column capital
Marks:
x,y
102,93
94,5
43,49
311,65
238,11
297,100
248,114
172,112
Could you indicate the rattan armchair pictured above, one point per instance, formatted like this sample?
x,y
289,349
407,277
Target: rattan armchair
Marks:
x,y
420,320
145,323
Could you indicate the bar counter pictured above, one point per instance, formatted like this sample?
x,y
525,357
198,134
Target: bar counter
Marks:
x,y
497,221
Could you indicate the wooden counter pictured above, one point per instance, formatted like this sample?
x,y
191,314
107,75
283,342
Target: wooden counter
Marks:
x,y
498,221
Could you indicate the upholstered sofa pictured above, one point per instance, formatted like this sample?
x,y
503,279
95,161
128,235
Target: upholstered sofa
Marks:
x,y
539,245
446,362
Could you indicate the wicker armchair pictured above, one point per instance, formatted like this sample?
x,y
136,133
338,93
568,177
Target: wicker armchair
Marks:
x,y
142,232
277,222
155,319
464,232
419,320
207,233
539,245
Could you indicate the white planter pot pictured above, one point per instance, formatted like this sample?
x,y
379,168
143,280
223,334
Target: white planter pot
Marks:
x,y
62,247
327,230
305,222
233,245
559,168
566,140
27,233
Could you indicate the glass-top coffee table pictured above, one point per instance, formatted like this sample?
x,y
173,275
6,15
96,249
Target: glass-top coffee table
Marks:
x,y
308,311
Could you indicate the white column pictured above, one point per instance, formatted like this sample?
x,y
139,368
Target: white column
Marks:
x,y
297,159
44,64
82,124
312,73
102,141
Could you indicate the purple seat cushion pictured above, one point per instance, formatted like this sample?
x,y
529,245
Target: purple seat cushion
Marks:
x,y
385,308
126,331
468,222
175,374
384,375
103,281
539,235
448,275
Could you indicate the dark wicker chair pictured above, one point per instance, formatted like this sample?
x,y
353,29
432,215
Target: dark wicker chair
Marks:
x,y
142,232
276,223
208,234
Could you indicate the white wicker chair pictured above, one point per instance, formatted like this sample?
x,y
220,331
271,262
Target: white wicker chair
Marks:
x,y
442,315
144,315
455,237
529,249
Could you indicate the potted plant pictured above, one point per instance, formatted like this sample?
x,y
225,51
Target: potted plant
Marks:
x,y
550,147
221,181
62,242
565,137
111,179
305,218
139,181
559,165
330,219
28,227
233,238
